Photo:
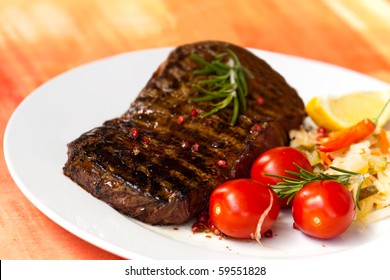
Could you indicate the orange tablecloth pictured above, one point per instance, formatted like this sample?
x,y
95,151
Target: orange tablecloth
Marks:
x,y
41,39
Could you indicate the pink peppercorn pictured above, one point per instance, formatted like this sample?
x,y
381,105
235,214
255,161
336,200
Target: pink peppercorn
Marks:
x,y
194,113
222,163
134,132
184,144
180,119
256,127
260,100
195,147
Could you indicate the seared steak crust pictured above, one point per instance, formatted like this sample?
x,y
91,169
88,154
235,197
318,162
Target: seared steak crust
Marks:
x,y
158,162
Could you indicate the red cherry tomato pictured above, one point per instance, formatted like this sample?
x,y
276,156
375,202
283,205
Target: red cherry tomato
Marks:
x,y
243,208
323,209
276,161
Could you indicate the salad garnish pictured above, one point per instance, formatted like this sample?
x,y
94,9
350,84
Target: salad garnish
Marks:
x,y
345,137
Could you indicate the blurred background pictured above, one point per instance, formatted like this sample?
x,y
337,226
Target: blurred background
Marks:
x,y
40,39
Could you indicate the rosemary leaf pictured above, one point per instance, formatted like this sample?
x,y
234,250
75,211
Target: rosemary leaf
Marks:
x,y
210,93
242,89
290,186
236,110
357,198
209,67
205,98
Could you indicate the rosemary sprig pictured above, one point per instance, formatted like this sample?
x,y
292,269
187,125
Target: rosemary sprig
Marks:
x,y
227,83
290,186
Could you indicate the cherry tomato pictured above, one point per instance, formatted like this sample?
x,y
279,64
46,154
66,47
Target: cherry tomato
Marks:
x,y
323,209
276,161
241,208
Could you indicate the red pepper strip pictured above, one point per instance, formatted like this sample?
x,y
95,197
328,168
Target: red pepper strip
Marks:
x,y
325,158
384,141
345,137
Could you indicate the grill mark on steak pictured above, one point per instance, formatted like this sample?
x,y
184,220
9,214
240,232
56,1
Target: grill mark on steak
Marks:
x,y
154,177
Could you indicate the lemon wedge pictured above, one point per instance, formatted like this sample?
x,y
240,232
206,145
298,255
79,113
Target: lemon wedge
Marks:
x,y
339,112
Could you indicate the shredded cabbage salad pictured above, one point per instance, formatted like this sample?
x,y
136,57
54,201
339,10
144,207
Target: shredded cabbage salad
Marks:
x,y
369,157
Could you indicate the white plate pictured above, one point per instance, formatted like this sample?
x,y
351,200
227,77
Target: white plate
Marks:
x,y
76,101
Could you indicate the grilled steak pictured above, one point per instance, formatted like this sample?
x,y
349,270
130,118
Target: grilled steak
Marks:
x,y
160,161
